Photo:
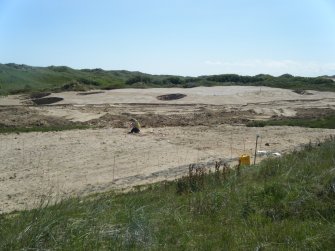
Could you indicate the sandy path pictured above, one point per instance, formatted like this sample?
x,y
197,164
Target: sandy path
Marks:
x,y
217,95
262,101
33,165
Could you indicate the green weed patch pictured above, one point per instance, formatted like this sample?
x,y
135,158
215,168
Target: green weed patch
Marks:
x,y
325,122
42,128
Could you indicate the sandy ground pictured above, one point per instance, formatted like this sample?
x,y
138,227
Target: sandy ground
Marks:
x,y
219,95
204,127
79,162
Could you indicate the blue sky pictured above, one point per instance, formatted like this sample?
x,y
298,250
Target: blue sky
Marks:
x,y
182,37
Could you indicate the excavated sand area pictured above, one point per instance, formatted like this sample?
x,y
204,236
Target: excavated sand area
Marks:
x,y
202,127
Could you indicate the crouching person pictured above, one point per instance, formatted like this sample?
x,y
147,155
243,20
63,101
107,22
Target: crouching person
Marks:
x,y
135,126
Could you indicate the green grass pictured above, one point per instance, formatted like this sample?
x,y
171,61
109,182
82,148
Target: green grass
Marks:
x,y
16,78
285,203
324,122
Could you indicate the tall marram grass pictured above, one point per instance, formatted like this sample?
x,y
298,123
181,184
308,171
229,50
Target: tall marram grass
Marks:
x,y
285,203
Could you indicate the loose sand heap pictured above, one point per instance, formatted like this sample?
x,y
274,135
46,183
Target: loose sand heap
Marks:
x,y
205,126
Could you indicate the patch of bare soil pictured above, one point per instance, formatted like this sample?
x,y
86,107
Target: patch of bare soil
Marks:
x,y
18,116
205,117
21,116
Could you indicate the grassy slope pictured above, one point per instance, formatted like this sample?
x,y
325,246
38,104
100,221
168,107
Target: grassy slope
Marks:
x,y
42,128
22,78
280,204
323,122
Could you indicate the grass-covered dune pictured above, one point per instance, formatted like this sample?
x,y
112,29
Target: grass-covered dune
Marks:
x,y
16,78
286,203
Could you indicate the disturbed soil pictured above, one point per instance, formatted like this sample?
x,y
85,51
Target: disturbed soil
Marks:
x,y
203,125
117,116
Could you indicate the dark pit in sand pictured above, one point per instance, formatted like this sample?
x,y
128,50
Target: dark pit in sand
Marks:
x,y
37,95
302,92
89,93
173,96
46,101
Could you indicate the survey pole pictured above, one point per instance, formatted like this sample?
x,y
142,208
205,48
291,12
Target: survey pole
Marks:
x,y
257,136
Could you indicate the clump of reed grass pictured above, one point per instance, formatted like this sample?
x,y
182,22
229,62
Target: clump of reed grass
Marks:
x,y
201,176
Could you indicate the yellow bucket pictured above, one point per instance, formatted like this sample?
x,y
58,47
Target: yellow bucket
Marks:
x,y
244,160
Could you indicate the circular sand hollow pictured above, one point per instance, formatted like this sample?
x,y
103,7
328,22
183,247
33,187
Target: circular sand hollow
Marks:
x,y
46,101
172,96
37,95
